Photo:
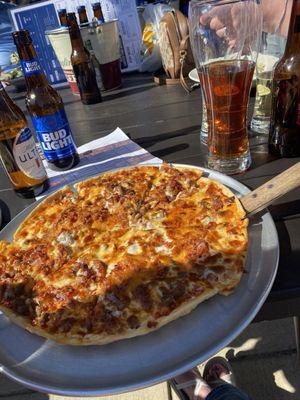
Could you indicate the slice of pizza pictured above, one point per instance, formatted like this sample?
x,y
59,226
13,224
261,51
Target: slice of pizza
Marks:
x,y
217,262
119,194
43,219
103,295
64,221
205,204
169,183
21,267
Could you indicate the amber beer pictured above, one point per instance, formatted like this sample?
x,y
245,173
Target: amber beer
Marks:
x,y
46,108
284,138
18,151
82,65
98,12
83,19
226,86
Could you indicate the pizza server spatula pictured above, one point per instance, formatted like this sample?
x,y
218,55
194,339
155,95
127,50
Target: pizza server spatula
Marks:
x,y
270,191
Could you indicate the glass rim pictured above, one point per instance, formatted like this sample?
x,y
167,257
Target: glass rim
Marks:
x,y
218,2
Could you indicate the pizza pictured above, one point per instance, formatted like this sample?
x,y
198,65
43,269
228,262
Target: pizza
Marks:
x,y
122,254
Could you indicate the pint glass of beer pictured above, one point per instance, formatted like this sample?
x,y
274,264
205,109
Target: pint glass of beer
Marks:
x,y
225,37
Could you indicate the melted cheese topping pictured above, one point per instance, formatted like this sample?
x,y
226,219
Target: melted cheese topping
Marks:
x,y
124,252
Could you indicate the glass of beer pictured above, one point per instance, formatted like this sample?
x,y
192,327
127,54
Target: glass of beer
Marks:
x,y
225,37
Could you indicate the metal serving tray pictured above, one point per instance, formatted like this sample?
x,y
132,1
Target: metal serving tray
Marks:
x,y
134,363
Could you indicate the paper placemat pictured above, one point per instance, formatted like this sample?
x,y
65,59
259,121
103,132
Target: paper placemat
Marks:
x,y
115,150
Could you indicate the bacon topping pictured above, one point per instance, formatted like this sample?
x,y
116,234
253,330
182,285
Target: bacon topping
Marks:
x,y
86,279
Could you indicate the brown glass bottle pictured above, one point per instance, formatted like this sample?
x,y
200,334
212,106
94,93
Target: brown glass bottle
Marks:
x,y
98,12
46,109
18,151
62,14
83,19
284,138
82,65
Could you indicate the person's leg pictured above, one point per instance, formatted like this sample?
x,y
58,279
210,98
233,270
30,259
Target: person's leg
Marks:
x,y
190,386
217,383
227,392
219,375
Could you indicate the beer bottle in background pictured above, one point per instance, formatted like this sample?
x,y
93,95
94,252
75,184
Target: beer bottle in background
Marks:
x,y
82,65
184,7
62,14
18,151
284,138
46,108
83,19
98,12
96,64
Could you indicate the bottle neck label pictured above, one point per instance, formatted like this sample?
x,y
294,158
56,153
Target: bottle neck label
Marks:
x,y
31,67
55,136
26,155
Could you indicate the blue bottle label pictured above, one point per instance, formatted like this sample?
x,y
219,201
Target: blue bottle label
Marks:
x,y
31,67
55,136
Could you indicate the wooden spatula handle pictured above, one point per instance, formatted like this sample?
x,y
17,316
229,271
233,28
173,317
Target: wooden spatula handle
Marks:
x,y
272,190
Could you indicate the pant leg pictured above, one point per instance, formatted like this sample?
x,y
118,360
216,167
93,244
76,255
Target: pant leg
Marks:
x,y
227,392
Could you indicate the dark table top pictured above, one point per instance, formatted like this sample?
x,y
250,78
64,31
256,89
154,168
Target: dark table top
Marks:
x,y
166,121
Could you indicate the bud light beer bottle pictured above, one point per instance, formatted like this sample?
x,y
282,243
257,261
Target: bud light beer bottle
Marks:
x,y
18,151
46,109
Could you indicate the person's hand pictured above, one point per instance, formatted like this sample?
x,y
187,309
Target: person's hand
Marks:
x,y
231,22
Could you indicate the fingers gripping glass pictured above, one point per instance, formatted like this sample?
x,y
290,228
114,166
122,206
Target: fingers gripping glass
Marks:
x,y
225,38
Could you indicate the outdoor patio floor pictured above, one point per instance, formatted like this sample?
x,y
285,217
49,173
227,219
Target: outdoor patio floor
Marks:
x,y
264,360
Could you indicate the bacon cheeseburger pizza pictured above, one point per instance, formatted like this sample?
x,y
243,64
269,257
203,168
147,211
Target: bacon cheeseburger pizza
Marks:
x,y
122,254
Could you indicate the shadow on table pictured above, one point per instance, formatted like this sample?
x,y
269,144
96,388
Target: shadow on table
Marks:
x,y
125,92
133,79
281,212
170,150
262,372
288,271
6,216
148,141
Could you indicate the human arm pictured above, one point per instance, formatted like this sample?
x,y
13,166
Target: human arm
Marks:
x,y
276,16
226,20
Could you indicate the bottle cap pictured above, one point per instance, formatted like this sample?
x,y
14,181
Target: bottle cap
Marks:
x,y
71,17
21,37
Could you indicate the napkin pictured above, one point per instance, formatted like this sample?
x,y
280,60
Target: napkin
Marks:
x,y
113,151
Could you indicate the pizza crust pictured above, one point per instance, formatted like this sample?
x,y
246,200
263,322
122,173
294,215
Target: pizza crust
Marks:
x,y
95,339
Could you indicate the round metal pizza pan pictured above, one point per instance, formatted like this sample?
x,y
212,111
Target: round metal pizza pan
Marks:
x,y
130,364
